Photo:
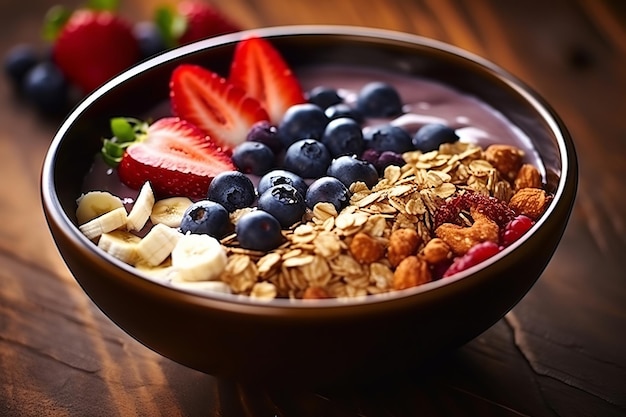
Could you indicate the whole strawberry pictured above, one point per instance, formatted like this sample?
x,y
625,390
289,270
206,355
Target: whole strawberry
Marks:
x,y
203,21
92,46
190,21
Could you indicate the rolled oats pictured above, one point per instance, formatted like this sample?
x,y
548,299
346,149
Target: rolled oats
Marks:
x,y
263,291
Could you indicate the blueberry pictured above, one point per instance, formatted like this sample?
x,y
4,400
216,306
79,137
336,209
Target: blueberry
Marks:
x,y
378,99
387,137
205,217
349,169
46,87
232,189
18,61
371,156
343,136
281,176
258,230
307,158
382,160
327,190
149,39
283,202
253,158
266,133
324,97
302,121
343,110
430,136
387,158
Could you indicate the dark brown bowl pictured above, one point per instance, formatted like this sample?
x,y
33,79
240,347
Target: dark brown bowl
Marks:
x,y
290,341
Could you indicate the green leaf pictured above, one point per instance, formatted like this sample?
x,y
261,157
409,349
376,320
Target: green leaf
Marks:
x,y
126,131
112,152
171,25
110,5
123,129
55,19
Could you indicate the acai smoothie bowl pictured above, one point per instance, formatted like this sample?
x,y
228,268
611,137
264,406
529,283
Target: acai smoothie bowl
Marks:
x,y
309,203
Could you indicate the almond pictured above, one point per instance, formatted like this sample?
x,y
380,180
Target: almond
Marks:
x,y
531,202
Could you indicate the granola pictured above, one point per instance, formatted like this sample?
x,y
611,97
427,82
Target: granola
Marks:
x,y
386,238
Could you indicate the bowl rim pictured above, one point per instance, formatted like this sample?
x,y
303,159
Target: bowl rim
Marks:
x,y
56,215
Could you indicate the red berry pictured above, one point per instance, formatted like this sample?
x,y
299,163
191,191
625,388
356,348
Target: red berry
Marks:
x,y
176,157
94,46
203,21
474,256
260,70
515,229
221,109
495,209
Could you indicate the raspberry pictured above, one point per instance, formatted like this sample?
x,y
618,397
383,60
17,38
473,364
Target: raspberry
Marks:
x,y
515,229
474,256
495,209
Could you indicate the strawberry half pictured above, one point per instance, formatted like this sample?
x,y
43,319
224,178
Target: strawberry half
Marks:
x,y
222,110
176,157
94,46
259,69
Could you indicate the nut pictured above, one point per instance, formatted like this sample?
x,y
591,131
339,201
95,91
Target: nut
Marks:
x,y
527,177
531,202
461,239
436,251
506,159
402,243
411,272
315,293
365,249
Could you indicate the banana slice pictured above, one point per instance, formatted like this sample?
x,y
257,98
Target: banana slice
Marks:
x,y
121,244
163,272
104,223
158,244
94,204
198,257
140,213
202,287
169,211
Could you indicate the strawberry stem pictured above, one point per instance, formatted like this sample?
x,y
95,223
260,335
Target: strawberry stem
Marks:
x,y
171,25
110,5
126,131
57,16
55,19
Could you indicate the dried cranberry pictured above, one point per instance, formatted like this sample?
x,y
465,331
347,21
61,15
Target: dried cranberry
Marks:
x,y
515,229
495,209
474,256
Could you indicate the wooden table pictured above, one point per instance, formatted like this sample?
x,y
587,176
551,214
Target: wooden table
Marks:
x,y
560,352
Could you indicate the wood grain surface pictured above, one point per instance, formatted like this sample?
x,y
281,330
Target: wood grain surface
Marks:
x,y
560,352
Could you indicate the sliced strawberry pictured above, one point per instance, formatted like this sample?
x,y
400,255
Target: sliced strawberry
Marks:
x,y
176,157
222,110
93,46
260,69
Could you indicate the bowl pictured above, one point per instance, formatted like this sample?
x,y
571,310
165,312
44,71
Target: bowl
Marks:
x,y
330,340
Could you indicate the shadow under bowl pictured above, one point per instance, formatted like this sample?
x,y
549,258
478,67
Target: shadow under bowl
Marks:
x,y
308,342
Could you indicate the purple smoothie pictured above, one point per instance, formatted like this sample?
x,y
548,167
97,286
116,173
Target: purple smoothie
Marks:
x,y
425,101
